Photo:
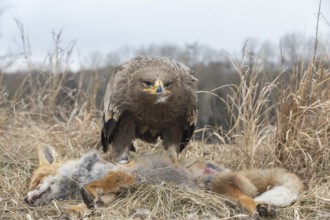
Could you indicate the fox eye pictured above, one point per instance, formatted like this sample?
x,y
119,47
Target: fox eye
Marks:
x,y
147,83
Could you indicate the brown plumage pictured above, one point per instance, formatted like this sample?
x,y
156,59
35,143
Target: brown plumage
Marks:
x,y
146,98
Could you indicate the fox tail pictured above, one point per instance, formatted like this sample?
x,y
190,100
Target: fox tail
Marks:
x,y
286,189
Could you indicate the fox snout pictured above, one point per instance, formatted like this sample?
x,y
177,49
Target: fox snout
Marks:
x,y
26,200
38,195
29,200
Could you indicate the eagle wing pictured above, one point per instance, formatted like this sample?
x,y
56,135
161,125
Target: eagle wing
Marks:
x,y
190,87
112,105
189,130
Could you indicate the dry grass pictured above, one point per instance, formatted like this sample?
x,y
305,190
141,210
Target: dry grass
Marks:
x,y
299,141
303,131
68,120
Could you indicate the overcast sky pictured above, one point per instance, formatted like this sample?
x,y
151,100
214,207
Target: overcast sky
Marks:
x,y
107,25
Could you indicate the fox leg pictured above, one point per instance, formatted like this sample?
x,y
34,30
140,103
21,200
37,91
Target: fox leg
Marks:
x,y
106,188
74,211
241,190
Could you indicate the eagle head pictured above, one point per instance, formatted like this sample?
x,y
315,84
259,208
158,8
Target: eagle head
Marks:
x,y
159,80
154,86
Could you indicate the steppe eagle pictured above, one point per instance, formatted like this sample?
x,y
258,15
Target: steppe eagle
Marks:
x,y
147,98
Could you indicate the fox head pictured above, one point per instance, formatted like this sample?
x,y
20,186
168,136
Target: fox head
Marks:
x,y
53,180
47,165
203,172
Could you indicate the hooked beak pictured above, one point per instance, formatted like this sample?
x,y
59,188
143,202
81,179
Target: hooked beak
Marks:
x,y
158,89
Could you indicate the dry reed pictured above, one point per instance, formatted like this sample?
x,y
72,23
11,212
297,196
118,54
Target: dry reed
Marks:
x,y
69,121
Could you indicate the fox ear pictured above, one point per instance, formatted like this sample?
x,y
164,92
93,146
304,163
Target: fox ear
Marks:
x,y
47,155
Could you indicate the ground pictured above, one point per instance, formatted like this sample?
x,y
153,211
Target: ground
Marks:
x,y
21,131
298,139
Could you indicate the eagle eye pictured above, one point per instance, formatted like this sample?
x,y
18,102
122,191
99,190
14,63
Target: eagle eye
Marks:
x,y
167,85
147,83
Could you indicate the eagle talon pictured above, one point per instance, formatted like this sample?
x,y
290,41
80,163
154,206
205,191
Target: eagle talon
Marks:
x,y
173,155
123,159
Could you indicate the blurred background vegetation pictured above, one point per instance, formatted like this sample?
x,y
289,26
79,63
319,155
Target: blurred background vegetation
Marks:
x,y
219,73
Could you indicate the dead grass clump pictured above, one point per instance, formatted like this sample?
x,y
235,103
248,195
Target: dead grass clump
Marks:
x,y
167,201
251,105
303,124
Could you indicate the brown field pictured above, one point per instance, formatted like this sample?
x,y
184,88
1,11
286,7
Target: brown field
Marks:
x,y
298,140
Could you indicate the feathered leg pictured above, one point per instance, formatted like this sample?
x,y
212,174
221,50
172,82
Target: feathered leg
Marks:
x,y
171,141
123,138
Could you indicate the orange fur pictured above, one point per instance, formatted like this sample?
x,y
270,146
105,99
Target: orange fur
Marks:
x,y
242,187
47,165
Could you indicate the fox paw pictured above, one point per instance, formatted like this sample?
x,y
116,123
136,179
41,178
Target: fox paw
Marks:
x,y
266,210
